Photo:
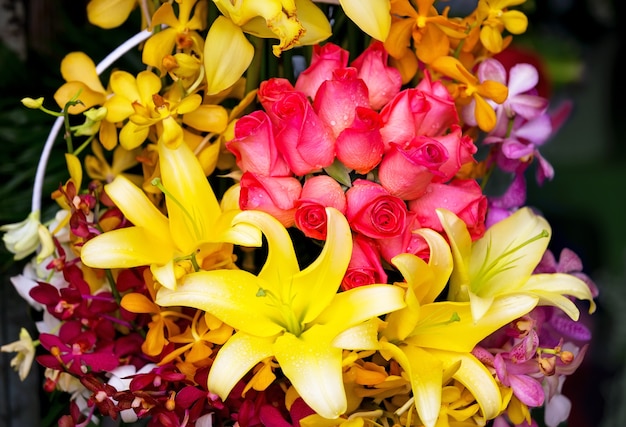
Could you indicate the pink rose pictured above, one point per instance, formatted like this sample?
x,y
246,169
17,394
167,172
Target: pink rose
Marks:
x,y
301,137
274,195
365,266
324,60
318,193
271,90
463,197
406,170
406,242
460,148
415,112
383,81
254,147
360,146
336,99
374,212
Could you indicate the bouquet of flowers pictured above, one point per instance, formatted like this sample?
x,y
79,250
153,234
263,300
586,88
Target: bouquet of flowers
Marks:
x,y
253,243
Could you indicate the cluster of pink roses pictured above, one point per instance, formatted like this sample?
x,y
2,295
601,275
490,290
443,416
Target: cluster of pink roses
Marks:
x,y
348,137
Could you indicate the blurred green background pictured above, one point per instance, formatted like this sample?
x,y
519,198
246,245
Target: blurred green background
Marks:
x,y
584,49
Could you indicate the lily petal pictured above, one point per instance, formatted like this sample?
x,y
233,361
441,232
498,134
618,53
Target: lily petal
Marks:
x,y
476,378
238,355
552,288
314,368
229,295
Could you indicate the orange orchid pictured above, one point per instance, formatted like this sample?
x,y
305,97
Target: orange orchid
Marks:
x,y
429,31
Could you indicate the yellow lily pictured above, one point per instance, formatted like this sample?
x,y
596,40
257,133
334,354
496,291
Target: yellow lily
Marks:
x,y
191,236
501,263
295,316
427,338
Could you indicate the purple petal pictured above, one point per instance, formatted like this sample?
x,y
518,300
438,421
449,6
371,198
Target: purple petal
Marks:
x,y
514,196
545,169
528,390
557,410
528,106
522,78
569,262
492,69
570,329
514,149
537,130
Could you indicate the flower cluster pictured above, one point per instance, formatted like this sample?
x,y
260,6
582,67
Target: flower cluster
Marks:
x,y
317,250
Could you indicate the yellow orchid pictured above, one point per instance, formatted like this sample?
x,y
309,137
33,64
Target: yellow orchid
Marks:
x,y
97,166
181,32
25,349
79,72
501,263
296,316
427,338
495,18
293,22
189,238
468,86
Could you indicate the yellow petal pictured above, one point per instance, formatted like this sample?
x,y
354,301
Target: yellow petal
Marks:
x,y
158,46
476,378
192,208
79,67
227,55
229,295
125,248
450,325
316,25
189,104
363,336
136,206
461,246
372,17
552,288
172,135
78,90
440,263
317,285
124,85
485,115
515,21
491,38
132,136
281,263
314,368
426,375
207,118
235,359
165,15
360,304
74,168
109,13
108,135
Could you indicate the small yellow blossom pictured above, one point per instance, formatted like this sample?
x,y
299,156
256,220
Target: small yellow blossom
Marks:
x,y
25,349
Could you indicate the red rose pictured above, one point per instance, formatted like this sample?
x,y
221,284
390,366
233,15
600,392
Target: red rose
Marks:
x,y
407,169
318,193
365,266
374,212
383,82
254,147
463,197
324,61
274,195
301,137
360,146
336,99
